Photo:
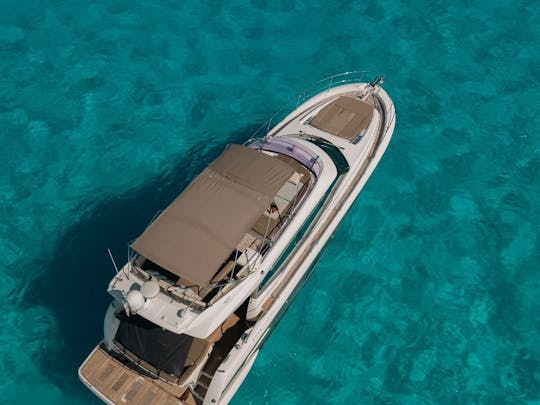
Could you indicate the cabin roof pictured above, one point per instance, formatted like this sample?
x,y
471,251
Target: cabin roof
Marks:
x,y
196,233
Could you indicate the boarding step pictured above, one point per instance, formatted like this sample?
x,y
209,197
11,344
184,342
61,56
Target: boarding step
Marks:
x,y
200,384
204,381
204,373
198,397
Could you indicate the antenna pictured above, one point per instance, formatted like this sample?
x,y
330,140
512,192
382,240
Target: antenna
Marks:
x,y
112,259
130,257
377,81
370,87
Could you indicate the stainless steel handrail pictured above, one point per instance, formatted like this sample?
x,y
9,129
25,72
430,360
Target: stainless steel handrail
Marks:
x,y
354,76
323,85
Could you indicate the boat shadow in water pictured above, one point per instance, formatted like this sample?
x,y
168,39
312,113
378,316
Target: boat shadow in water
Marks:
x,y
74,281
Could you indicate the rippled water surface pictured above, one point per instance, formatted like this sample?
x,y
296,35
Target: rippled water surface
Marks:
x,y
429,292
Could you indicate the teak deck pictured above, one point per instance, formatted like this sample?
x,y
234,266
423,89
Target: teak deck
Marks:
x,y
119,384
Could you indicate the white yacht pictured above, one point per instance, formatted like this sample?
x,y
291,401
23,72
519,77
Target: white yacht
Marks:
x,y
211,276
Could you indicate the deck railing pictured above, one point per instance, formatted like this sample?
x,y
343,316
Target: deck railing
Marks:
x,y
323,85
355,76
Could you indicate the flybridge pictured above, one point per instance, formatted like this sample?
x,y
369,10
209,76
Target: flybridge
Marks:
x,y
240,203
200,229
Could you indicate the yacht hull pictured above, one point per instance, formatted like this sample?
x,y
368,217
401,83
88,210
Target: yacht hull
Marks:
x,y
274,281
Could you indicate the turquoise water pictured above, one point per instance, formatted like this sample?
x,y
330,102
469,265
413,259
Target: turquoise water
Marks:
x,y
429,292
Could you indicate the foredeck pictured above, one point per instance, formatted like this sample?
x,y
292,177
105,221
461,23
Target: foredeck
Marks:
x,y
346,116
119,384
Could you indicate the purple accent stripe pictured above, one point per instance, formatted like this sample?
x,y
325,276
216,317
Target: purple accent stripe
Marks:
x,y
290,148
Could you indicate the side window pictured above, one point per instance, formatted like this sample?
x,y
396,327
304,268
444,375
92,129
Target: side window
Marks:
x,y
299,235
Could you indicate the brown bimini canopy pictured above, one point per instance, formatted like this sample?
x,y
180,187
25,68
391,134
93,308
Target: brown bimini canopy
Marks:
x,y
345,117
199,230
